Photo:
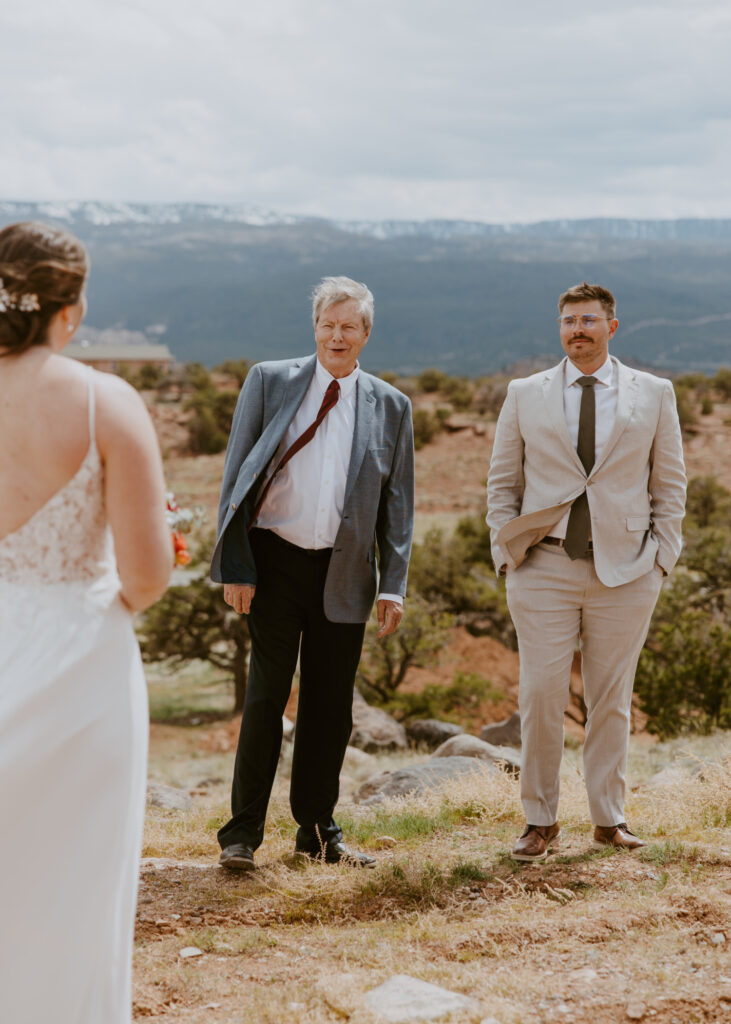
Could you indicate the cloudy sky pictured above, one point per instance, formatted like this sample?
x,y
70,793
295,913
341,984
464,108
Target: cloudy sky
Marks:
x,y
475,109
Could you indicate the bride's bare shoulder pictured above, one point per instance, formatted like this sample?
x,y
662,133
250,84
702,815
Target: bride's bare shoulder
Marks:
x,y
121,411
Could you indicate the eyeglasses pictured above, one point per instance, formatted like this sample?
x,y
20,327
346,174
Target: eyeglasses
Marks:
x,y
585,321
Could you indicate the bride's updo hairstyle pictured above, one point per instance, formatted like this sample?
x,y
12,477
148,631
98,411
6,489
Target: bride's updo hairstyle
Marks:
x,y
42,269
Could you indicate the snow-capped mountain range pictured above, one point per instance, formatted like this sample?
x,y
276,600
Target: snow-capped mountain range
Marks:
x,y
116,214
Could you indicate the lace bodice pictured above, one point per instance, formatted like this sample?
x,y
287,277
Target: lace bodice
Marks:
x,y
67,539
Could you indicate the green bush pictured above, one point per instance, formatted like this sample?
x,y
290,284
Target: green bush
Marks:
x,y
194,622
431,379
204,432
489,396
686,411
149,376
683,678
708,503
426,427
448,703
237,368
722,382
459,392
210,424
197,377
706,406
383,666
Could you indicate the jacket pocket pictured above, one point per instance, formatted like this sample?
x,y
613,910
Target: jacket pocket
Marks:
x,y
638,522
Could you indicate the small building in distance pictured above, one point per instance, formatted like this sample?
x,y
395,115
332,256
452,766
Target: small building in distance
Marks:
x,y
113,358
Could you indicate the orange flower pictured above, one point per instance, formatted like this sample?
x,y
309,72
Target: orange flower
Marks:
x,y
182,555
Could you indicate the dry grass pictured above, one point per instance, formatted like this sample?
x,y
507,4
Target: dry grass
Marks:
x,y
575,939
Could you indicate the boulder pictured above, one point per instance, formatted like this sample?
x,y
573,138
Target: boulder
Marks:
x,y
505,733
430,732
159,795
373,729
470,746
402,999
418,778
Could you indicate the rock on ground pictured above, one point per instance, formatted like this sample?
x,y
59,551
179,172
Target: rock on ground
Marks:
x,y
159,795
418,778
470,746
374,729
505,733
431,732
403,999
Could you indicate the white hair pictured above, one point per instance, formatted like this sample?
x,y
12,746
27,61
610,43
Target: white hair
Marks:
x,y
338,289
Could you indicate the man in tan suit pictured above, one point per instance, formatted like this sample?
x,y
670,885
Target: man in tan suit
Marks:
x,y
586,495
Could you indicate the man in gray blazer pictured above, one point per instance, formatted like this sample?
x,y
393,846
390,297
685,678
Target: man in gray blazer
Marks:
x,y
315,518
586,495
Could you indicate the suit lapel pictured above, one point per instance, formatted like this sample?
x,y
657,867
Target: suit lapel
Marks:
x,y
627,388
552,385
293,392
365,407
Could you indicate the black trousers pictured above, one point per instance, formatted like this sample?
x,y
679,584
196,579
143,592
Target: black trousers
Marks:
x,y
286,620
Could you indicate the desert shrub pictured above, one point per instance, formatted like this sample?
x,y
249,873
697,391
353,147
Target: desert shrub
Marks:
x,y
489,396
210,423
389,376
194,622
197,377
463,696
722,382
459,392
683,680
691,381
686,410
708,503
237,368
149,376
383,666
426,427
706,406
205,437
455,574
431,379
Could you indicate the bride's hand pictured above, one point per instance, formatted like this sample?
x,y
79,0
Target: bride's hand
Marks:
x,y
239,596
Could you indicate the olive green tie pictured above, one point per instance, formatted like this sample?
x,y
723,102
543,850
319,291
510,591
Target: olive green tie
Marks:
x,y
578,528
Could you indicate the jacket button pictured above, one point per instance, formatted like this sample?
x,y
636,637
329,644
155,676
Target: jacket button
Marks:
x,y
233,506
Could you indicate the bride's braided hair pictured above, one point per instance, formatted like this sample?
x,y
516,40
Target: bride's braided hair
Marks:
x,y
42,269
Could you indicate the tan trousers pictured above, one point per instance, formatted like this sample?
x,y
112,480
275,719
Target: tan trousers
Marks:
x,y
554,602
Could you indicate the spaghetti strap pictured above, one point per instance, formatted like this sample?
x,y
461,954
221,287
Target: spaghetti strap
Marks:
x,y
92,431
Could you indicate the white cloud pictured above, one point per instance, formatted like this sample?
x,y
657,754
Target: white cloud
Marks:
x,y
390,109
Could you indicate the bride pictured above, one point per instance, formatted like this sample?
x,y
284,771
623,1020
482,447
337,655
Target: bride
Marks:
x,y
83,544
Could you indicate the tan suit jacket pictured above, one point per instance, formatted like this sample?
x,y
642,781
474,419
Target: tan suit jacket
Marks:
x,y
636,489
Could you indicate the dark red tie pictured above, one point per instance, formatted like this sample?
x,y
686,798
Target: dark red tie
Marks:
x,y
331,396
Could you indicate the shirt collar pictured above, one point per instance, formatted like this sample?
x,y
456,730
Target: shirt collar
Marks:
x,y
603,375
346,383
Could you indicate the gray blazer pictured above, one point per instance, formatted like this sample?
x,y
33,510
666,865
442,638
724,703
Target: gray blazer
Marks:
x,y
378,508
636,489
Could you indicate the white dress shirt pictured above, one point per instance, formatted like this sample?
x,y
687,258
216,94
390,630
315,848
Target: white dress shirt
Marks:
x,y
605,396
304,504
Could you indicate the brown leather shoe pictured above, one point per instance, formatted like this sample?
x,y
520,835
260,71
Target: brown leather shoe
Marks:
x,y
618,836
536,841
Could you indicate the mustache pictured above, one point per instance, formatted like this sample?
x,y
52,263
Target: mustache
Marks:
x,y
580,337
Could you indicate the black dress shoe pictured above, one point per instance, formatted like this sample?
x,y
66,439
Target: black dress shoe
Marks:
x,y
338,853
237,857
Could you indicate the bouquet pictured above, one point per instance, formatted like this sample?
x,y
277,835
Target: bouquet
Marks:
x,y
180,521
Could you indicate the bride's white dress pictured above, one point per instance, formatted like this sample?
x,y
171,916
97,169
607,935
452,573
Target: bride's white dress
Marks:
x,y
73,752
